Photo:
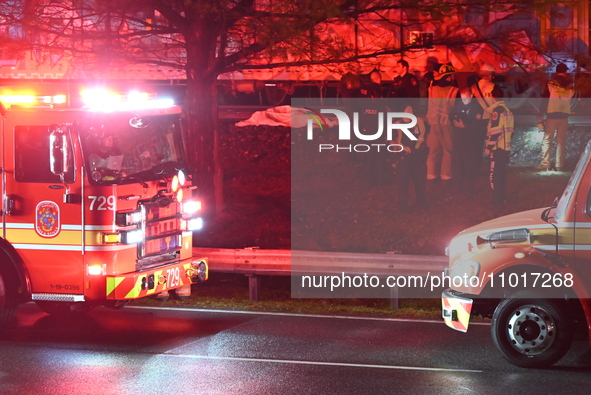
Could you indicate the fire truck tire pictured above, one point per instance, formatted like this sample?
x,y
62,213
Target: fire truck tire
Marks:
x,y
62,308
7,301
531,332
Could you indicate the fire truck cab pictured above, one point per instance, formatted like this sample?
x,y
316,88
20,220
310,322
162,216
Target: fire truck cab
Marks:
x,y
97,207
529,271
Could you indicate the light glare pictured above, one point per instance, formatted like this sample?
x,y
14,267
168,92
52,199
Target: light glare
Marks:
x,y
106,101
191,206
195,224
95,270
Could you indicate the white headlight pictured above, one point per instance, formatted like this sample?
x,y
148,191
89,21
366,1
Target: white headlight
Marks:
x,y
128,218
191,207
195,224
131,236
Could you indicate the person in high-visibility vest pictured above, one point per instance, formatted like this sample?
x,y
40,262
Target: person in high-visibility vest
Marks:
x,y
498,146
559,91
442,96
482,89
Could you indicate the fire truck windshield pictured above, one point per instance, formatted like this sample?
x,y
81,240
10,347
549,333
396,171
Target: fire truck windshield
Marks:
x,y
117,151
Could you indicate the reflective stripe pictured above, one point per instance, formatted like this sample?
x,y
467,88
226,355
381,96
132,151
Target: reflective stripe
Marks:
x,y
563,247
585,225
111,248
136,285
15,225
19,226
112,283
463,308
71,227
54,247
99,227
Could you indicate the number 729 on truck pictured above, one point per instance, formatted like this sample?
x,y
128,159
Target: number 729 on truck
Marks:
x,y
97,206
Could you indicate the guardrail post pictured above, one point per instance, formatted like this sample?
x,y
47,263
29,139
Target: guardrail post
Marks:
x,y
254,287
394,299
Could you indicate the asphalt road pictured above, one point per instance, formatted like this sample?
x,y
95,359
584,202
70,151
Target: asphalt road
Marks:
x,y
159,351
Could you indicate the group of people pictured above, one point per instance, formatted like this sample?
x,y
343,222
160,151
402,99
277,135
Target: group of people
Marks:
x,y
460,121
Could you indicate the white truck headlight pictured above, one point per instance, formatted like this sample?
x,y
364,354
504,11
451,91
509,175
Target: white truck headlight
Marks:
x,y
131,236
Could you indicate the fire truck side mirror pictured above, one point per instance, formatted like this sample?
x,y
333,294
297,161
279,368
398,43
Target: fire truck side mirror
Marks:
x,y
58,151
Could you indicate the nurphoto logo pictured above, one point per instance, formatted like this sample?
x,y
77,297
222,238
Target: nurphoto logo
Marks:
x,y
388,122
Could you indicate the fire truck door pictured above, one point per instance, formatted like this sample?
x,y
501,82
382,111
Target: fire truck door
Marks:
x,y
45,229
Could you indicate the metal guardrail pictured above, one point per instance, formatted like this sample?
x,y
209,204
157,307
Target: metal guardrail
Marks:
x,y
249,261
254,262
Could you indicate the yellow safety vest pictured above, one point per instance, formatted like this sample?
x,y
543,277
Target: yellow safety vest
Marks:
x,y
560,98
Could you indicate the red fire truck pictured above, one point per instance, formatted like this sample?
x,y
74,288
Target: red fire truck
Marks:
x,y
96,205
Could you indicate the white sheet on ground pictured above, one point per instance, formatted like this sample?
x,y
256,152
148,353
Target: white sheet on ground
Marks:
x,y
282,116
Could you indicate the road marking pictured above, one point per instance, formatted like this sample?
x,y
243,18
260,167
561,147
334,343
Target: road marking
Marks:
x,y
317,363
340,317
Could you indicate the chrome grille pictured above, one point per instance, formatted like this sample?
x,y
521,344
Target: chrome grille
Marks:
x,y
161,229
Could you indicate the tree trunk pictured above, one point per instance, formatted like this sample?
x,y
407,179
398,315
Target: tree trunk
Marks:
x,y
202,137
202,111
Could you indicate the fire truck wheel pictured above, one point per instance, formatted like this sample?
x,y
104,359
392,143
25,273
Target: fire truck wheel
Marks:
x,y
7,302
62,308
530,332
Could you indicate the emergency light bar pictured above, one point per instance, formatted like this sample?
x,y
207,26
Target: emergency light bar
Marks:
x,y
32,99
98,99
106,101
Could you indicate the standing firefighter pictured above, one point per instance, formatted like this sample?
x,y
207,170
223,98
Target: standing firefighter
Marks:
x,y
559,92
498,146
442,96
483,87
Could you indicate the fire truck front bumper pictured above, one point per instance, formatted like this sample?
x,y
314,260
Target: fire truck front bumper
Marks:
x,y
150,282
456,310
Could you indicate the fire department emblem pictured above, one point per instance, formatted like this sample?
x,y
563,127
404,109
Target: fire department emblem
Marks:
x,y
48,219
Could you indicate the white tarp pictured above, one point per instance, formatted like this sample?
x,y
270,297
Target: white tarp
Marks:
x,y
282,116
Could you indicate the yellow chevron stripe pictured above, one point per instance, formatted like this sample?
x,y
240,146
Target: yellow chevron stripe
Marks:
x,y
134,293
186,267
112,283
463,314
